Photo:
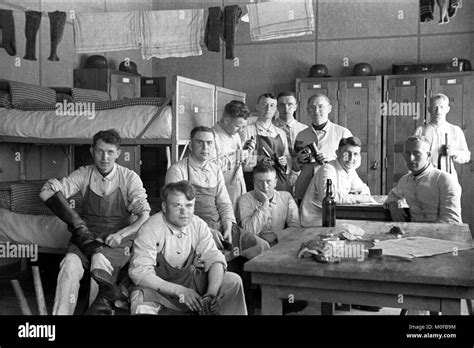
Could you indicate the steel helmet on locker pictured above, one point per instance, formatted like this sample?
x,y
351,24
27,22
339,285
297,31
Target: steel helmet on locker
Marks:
x,y
129,67
363,69
96,62
319,70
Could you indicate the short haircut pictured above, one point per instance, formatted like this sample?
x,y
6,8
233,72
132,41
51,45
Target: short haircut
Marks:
x,y
319,95
286,94
441,96
201,129
236,109
181,186
266,95
263,168
352,141
109,136
417,139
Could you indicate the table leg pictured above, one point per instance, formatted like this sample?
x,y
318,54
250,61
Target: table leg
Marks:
x,y
450,306
271,304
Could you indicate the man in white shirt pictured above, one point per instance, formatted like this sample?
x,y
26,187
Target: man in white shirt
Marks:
x,y
348,187
264,211
177,266
229,150
436,132
102,237
431,194
324,134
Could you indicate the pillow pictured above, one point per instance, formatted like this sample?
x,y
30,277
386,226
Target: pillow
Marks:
x,y
89,95
5,100
26,94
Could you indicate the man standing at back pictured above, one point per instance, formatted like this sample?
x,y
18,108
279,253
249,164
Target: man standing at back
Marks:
x,y
324,134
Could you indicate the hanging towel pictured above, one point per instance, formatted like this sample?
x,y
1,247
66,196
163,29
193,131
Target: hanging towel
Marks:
x,y
33,21
277,20
7,26
176,33
107,31
232,15
426,10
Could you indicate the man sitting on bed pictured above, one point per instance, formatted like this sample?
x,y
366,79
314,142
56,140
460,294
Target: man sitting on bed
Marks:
x,y
213,203
103,236
348,187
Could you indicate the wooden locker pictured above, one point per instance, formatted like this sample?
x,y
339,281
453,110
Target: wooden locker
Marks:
x,y
47,161
153,87
400,123
130,158
359,111
307,87
124,85
11,159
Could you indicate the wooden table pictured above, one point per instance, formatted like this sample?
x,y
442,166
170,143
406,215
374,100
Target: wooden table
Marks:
x,y
364,211
436,283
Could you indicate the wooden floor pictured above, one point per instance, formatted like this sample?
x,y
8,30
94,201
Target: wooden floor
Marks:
x,y
49,267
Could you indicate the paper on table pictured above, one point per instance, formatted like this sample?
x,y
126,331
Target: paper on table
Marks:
x,y
411,247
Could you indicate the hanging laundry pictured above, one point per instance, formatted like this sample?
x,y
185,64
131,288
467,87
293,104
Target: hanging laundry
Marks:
x,y
232,15
7,27
107,31
453,7
213,33
57,22
33,21
277,20
426,10
176,33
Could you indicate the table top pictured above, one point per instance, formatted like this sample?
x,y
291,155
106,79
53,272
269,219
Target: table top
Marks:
x,y
380,199
452,269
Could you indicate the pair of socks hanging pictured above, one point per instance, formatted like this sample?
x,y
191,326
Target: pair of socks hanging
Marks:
x,y
33,20
222,24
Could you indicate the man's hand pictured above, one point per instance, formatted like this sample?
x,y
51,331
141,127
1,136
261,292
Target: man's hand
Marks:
x,y
189,297
227,234
261,197
250,144
113,240
322,157
303,156
283,161
397,213
292,177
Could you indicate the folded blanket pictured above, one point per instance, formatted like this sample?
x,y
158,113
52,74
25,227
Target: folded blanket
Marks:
x,y
277,20
107,31
177,33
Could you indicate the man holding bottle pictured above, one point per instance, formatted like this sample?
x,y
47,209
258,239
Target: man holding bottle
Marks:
x,y
347,185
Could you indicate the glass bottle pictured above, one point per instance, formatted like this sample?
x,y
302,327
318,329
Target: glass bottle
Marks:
x,y
329,206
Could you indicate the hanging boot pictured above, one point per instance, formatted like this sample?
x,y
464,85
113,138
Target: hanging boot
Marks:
x,y
110,300
57,21
33,21
80,233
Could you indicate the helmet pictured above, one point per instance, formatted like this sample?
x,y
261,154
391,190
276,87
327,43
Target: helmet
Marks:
x,y
319,70
363,69
465,65
96,62
129,67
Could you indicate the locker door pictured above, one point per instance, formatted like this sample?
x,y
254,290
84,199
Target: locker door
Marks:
x,y
305,88
404,110
359,111
11,158
47,161
460,91
130,158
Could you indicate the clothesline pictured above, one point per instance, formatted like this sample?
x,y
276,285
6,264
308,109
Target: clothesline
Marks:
x,y
27,8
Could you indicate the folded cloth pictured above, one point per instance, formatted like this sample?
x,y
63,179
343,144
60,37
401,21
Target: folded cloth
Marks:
x,y
426,10
176,33
276,20
107,31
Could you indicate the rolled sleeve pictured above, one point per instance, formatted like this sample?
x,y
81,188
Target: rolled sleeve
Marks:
x,y
207,249
69,185
137,196
145,250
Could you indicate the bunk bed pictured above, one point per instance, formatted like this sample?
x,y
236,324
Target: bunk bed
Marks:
x,y
161,122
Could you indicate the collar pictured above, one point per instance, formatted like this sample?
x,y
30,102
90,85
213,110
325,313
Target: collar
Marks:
x,y
280,122
109,176
426,172
221,130
325,128
259,124
436,126
173,229
196,164
339,167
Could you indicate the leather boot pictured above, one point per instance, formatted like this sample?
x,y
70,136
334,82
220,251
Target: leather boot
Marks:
x,y
80,233
110,300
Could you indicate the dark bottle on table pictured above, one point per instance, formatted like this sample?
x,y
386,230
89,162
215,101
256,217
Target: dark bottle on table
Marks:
x,y
329,206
